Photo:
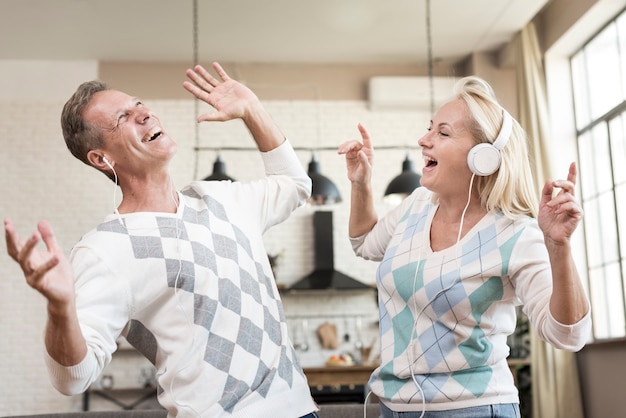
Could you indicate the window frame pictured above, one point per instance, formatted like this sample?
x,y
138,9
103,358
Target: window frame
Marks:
x,y
598,266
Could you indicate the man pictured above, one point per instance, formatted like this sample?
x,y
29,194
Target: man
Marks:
x,y
183,276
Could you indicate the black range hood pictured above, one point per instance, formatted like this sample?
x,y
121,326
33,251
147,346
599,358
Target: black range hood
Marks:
x,y
325,276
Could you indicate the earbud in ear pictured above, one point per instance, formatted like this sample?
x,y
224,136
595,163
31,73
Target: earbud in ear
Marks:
x,y
106,161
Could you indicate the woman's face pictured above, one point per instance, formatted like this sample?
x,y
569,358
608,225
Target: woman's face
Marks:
x,y
445,148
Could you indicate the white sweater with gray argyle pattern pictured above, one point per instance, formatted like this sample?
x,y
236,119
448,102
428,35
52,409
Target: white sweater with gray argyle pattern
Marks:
x,y
445,315
195,294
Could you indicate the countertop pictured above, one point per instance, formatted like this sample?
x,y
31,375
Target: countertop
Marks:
x,y
338,375
359,375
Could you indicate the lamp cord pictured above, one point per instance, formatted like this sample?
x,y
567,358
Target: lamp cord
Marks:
x,y
196,107
429,44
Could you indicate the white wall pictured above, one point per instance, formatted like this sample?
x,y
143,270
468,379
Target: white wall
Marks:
x,y
37,80
41,180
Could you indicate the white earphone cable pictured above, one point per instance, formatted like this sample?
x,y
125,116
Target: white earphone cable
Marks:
x,y
176,199
434,298
115,210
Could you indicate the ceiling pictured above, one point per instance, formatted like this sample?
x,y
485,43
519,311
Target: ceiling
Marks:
x,y
265,31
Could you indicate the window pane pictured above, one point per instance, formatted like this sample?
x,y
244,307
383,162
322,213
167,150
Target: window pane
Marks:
x,y
581,96
621,29
601,158
595,168
618,150
624,293
599,306
600,230
615,300
603,67
607,302
620,198
586,166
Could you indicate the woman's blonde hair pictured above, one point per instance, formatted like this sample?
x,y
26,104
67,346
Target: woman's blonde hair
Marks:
x,y
511,188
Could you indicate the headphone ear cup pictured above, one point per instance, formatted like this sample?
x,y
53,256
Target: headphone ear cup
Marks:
x,y
483,159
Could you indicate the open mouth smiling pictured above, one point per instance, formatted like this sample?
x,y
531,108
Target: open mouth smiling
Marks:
x,y
152,135
430,162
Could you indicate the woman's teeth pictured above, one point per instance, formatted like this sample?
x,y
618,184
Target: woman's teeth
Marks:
x,y
430,162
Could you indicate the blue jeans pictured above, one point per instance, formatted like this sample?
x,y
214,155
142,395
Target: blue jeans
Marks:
x,y
311,415
507,410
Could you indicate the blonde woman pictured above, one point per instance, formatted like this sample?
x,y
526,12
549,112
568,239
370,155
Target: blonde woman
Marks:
x,y
458,255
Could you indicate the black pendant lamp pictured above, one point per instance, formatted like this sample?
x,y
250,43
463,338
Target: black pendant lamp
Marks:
x,y
219,171
405,182
324,191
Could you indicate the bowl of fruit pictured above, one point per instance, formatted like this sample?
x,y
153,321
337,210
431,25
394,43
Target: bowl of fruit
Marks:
x,y
344,359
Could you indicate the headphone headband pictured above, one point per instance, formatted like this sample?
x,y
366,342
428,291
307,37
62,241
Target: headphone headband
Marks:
x,y
505,130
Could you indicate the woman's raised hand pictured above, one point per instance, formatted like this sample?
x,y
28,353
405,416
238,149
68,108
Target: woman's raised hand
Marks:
x,y
359,157
560,214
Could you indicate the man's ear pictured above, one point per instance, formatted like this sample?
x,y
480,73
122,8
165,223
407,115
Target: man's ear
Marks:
x,y
97,159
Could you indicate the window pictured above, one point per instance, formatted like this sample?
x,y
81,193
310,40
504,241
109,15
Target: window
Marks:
x,y
599,90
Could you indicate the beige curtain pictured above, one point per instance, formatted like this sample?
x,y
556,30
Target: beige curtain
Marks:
x,y
555,384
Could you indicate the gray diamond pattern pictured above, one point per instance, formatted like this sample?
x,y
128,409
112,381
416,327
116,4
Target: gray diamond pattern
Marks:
x,y
234,390
218,352
204,310
147,247
229,245
250,337
180,274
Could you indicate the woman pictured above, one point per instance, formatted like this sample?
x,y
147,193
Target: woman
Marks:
x,y
458,255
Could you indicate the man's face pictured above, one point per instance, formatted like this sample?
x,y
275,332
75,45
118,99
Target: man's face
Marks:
x,y
133,136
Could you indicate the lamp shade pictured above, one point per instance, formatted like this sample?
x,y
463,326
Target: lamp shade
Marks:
x,y
219,171
324,191
405,182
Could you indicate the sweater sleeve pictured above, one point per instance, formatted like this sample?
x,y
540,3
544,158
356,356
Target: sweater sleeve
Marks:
x,y
372,245
531,272
288,186
103,305
285,187
283,161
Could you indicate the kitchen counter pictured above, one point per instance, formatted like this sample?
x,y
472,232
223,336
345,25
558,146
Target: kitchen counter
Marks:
x,y
338,375
338,384
359,375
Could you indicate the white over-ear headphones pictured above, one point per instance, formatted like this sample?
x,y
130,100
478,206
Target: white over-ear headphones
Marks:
x,y
484,159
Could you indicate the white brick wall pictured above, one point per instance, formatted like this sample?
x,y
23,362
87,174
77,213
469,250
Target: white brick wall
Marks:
x,y
41,180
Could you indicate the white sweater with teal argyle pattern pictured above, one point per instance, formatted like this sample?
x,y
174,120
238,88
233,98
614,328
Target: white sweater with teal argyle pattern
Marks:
x,y
445,315
194,292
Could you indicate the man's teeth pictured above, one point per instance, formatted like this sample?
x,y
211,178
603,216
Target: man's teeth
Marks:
x,y
152,135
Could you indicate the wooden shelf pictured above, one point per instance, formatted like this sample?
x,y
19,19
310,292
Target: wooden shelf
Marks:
x,y
338,375
359,375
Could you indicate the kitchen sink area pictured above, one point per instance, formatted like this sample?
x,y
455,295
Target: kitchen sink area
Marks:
x,y
333,322
335,334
